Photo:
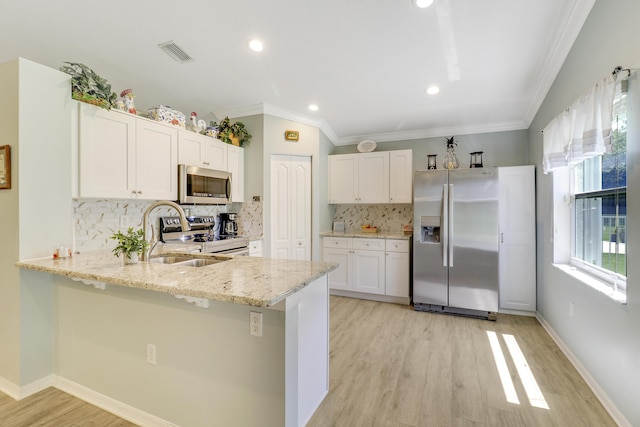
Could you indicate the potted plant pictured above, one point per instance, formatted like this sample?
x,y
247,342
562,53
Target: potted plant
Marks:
x,y
131,244
232,133
87,86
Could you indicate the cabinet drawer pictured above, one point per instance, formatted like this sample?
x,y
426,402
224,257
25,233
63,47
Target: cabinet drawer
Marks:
x,y
370,244
397,245
336,242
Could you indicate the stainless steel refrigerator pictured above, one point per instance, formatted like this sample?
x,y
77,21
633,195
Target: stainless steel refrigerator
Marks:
x,y
455,241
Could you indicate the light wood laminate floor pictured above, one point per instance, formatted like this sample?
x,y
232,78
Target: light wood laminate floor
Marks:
x,y
54,408
392,366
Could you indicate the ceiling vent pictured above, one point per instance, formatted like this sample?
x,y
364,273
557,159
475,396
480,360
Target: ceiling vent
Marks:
x,y
175,51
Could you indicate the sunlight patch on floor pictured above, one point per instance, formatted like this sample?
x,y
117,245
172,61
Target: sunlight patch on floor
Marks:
x,y
507,385
534,394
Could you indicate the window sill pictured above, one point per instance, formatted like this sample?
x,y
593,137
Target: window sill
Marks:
x,y
594,283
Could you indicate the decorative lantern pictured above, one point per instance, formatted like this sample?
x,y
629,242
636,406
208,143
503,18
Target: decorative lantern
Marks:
x,y
476,159
431,161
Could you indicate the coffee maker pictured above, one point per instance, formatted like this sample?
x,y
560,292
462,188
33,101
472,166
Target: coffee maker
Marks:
x,y
228,225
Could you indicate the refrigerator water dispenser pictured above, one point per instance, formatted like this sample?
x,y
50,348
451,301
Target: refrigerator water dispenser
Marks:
x,y
430,229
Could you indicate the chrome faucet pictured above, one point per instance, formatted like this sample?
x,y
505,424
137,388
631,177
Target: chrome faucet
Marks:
x,y
145,223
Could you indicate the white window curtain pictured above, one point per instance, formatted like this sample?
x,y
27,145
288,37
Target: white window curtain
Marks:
x,y
583,130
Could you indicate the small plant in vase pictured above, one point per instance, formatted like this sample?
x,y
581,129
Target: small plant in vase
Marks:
x,y
131,245
450,159
232,133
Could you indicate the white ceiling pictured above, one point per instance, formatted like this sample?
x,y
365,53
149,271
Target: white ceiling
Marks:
x,y
366,63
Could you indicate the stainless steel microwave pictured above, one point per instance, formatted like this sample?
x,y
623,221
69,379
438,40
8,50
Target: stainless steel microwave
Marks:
x,y
203,186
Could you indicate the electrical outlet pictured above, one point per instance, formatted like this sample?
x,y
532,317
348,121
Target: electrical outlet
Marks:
x,y
151,354
124,222
255,323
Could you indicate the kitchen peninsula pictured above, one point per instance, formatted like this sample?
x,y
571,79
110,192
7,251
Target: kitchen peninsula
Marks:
x,y
123,341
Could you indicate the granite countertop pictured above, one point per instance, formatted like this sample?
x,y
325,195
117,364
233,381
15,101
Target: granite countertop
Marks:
x,y
379,235
259,282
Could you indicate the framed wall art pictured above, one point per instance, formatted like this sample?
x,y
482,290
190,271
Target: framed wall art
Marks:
x,y
5,166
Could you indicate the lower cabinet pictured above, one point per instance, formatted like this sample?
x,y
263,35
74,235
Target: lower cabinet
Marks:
x,y
369,267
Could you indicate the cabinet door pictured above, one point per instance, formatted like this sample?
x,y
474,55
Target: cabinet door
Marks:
x,y
156,161
235,165
373,177
343,186
106,153
517,238
397,274
339,278
190,148
400,176
214,153
369,271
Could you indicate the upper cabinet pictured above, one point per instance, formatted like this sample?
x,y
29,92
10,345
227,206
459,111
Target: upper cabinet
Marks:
x,y
125,156
201,150
378,177
235,165
401,176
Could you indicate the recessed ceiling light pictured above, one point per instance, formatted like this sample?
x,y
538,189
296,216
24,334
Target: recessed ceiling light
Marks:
x,y
313,107
423,3
255,45
432,90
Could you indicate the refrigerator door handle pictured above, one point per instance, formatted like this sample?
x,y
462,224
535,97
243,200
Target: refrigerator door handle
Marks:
x,y
445,225
451,214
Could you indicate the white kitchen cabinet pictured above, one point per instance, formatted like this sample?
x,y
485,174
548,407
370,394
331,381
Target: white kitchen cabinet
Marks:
x,y
156,161
397,268
369,268
343,180
291,207
195,149
401,176
255,248
517,250
235,165
377,177
124,156
373,177
339,251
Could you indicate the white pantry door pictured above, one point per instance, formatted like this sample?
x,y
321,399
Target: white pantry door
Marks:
x,y
291,207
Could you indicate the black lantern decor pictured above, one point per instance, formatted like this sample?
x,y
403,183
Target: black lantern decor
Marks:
x,y
431,161
476,159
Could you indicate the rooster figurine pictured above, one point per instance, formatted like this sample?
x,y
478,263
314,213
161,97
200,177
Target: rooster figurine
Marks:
x,y
127,95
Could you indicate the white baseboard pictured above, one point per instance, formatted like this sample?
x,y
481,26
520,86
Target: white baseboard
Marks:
x,y
517,312
18,393
609,406
371,297
113,406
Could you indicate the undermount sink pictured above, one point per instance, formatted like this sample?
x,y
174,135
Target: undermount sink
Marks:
x,y
170,259
186,261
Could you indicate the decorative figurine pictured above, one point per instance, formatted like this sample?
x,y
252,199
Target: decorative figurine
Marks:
x,y
127,95
193,122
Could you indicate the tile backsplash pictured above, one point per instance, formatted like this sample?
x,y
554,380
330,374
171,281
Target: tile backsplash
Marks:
x,y
95,220
386,217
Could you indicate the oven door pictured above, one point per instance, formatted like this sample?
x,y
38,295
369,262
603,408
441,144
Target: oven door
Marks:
x,y
203,186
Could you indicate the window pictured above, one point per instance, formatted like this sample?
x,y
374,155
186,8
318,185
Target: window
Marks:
x,y
599,215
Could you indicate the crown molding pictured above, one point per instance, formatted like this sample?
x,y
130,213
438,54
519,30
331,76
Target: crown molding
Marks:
x,y
434,132
557,55
283,113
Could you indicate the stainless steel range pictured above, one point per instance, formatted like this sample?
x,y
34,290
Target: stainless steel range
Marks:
x,y
204,235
